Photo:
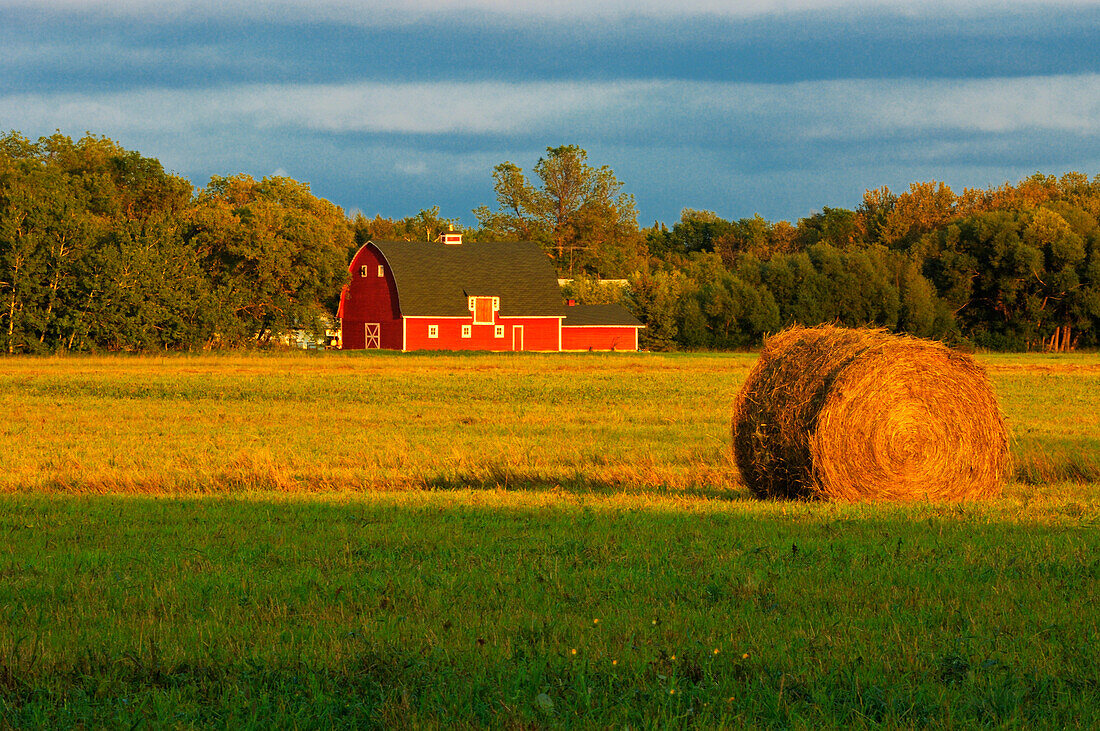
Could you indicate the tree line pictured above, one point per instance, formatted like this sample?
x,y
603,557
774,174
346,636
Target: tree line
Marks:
x,y
101,249
1016,267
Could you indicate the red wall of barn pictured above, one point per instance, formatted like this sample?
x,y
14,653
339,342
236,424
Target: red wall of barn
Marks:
x,y
599,338
539,333
370,298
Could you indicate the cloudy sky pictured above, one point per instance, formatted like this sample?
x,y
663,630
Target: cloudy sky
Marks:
x,y
777,107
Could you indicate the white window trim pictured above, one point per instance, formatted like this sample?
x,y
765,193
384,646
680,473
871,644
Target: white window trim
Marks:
x,y
433,331
499,333
467,331
363,271
381,270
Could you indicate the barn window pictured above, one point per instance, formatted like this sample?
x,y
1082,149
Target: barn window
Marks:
x,y
433,331
363,270
467,331
381,270
500,331
483,310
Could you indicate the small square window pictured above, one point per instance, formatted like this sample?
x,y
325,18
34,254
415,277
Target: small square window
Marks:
x,y
500,331
433,331
381,270
467,331
363,270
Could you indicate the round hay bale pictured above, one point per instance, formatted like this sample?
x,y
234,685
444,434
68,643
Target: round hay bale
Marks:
x,y
847,414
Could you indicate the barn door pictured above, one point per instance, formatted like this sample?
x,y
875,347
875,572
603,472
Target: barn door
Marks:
x,y
517,337
374,335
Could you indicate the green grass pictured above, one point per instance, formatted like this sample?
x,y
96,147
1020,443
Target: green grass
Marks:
x,y
393,541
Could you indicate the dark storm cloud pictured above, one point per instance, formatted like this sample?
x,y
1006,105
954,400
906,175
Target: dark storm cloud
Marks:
x,y
68,53
772,113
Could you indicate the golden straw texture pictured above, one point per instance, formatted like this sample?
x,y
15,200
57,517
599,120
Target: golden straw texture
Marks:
x,y
847,414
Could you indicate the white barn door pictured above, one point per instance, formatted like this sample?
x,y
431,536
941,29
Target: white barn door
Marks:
x,y
374,335
517,337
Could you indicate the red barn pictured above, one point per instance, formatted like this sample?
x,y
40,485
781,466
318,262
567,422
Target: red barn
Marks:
x,y
447,295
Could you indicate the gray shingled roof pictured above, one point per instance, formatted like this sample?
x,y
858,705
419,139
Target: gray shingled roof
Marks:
x,y
435,279
599,315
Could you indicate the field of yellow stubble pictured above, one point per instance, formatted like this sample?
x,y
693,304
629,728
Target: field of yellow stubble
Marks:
x,y
335,422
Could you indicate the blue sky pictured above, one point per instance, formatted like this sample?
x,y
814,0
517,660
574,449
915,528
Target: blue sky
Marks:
x,y
777,108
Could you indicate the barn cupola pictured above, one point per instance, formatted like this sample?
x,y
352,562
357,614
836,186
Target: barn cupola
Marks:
x,y
450,236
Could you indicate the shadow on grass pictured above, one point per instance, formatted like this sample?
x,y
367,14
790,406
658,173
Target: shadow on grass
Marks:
x,y
386,687
475,613
1077,463
497,477
709,477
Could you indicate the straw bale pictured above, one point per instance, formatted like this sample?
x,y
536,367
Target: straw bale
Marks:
x,y
858,414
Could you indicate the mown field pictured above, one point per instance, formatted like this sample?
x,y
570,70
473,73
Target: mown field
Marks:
x,y
384,540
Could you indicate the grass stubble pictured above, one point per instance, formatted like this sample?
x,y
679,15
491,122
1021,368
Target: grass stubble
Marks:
x,y
514,541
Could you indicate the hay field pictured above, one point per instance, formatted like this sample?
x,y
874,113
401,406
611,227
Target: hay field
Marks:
x,y
376,540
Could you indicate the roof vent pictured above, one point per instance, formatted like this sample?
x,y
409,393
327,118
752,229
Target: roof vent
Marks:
x,y
450,236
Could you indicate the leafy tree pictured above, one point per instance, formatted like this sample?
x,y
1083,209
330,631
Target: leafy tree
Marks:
x,y
917,211
578,213
276,252
29,203
694,329
1014,277
738,314
371,229
590,290
698,231
654,298
515,218
836,227
426,225
918,312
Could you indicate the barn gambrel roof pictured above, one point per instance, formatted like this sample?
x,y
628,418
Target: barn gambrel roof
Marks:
x,y
435,279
